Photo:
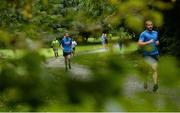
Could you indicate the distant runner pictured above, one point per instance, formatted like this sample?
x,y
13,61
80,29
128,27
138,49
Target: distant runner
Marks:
x,y
104,40
55,45
74,44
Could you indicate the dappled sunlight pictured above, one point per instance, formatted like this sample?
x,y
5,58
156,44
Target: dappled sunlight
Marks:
x,y
102,77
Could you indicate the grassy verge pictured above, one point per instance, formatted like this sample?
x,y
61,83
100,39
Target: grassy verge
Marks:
x,y
47,52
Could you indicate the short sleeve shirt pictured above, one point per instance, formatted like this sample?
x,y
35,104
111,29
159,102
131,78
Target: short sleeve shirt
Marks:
x,y
150,49
66,43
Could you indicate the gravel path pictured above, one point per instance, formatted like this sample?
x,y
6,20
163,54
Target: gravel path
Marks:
x,y
131,85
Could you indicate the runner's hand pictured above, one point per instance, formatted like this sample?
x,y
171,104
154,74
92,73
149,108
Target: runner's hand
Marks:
x,y
150,41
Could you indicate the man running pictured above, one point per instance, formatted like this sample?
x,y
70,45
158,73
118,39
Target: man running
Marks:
x,y
66,45
148,41
74,44
104,40
55,45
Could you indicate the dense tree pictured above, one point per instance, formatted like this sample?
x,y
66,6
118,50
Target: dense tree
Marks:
x,y
170,31
27,85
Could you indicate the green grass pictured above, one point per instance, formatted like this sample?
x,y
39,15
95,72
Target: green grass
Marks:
x,y
127,48
98,39
94,40
131,47
8,53
47,52
85,48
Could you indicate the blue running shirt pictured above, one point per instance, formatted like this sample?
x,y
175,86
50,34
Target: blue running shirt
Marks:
x,y
67,44
150,49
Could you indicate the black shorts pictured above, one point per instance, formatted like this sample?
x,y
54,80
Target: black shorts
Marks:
x,y
155,57
66,54
106,41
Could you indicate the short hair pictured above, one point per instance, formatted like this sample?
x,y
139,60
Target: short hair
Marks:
x,y
66,34
147,21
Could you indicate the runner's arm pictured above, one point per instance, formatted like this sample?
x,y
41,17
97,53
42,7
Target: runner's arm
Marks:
x,y
141,43
157,43
61,47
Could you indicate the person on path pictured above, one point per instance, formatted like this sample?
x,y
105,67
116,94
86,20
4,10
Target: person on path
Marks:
x,y
74,44
55,45
104,40
148,41
66,45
